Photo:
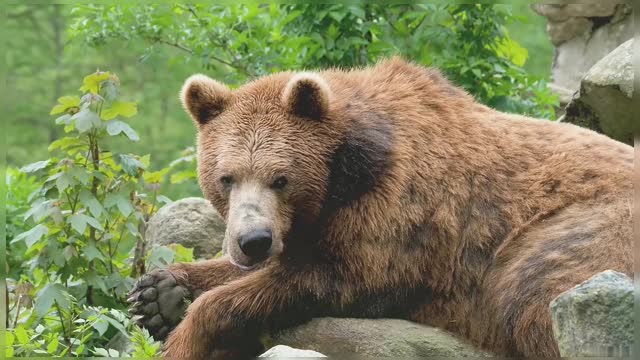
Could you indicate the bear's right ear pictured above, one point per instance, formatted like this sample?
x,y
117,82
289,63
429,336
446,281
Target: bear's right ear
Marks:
x,y
307,95
204,98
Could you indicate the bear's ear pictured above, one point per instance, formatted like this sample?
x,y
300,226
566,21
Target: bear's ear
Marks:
x,y
204,98
307,95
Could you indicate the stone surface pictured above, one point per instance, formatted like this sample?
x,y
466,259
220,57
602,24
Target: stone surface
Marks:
x,y
190,222
342,337
595,318
576,56
562,31
575,8
583,33
605,101
286,352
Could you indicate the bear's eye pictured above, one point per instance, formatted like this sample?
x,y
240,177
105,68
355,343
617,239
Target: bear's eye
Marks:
x,y
279,183
226,180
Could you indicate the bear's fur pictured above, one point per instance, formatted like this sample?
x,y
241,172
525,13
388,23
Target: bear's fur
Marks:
x,y
406,199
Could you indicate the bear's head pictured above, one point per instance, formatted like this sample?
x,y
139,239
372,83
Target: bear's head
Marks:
x,y
278,154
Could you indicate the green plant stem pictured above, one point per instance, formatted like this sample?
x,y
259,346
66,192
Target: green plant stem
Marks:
x,y
64,331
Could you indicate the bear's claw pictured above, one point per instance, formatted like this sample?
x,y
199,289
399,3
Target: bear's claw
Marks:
x,y
158,303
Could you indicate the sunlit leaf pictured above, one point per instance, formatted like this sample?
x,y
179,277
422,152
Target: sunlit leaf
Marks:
x,y
126,109
53,346
66,142
91,83
21,335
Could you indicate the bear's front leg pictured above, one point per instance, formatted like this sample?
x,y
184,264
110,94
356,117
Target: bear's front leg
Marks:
x,y
159,299
225,322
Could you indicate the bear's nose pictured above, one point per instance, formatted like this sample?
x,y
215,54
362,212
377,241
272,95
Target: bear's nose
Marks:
x,y
256,244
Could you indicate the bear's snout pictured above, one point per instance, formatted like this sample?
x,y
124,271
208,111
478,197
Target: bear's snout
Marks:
x,y
256,244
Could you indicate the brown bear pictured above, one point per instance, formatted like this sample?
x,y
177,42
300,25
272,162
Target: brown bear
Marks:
x,y
388,192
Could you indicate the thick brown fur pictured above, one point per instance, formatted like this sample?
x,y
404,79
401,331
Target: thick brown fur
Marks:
x,y
471,219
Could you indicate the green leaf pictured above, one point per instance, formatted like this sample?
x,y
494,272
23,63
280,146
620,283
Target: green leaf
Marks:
x,y
121,201
53,346
32,236
160,256
101,352
116,127
125,207
130,164
509,49
33,167
21,335
64,119
89,201
9,338
101,325
39,209
47,295
91,252
80,174
183,176
183,254
85,120
69,101
155,177
91,83
64,181
57,109
65,143
79,223
126,109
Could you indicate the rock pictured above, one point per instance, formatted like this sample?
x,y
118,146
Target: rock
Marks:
x,y
562,31
572,8
282,351
190,222
583,33
595,318
342,337
576,56
605,101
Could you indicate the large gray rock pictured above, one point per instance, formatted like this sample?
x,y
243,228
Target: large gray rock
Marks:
x,y
375,338
595,318
605,102
190,222
286,352
583,33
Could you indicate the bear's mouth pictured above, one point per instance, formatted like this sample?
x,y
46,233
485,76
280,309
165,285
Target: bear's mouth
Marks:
x,y
243,267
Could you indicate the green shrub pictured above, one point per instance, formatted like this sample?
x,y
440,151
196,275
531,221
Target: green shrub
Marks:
x,y
469,42
76,231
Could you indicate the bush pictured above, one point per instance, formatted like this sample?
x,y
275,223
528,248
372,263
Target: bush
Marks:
x,y
76,231
469,42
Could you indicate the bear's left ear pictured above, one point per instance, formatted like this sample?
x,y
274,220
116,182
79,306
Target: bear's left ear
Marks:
x,y
204,98
307,95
